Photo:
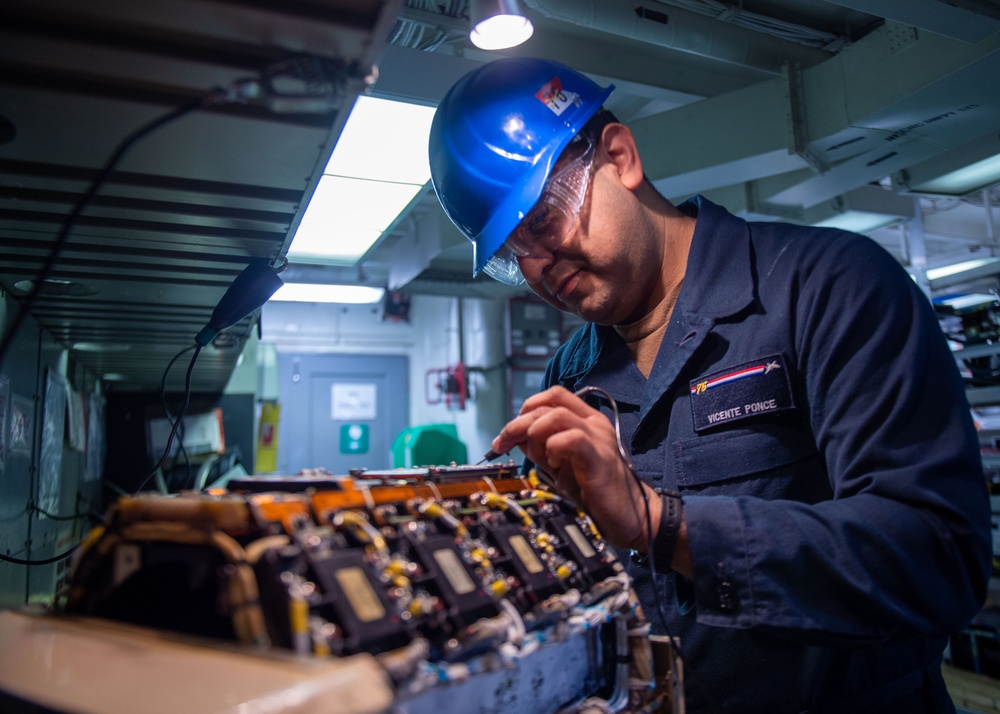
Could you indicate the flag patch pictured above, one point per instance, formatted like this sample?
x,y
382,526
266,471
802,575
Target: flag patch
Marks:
x,y
744,391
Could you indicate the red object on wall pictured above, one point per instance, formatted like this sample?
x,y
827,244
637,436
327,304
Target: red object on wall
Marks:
x,y
447,385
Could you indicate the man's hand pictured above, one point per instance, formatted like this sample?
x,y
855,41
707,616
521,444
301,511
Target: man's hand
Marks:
x,y
576,444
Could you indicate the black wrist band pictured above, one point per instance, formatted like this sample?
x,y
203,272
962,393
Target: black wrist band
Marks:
x,y
665,541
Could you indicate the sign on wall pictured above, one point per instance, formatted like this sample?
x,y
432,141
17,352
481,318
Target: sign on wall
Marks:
x,y
352,401
354,438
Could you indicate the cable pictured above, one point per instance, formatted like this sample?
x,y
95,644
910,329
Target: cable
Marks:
x,y
73,517
627,459
645,496
166,408
177,423
46,561
109,166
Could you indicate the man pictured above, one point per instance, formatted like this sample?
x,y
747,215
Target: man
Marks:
x,y
800,494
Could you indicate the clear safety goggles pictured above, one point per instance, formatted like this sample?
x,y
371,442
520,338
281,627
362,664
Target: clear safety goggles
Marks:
x,y
552,218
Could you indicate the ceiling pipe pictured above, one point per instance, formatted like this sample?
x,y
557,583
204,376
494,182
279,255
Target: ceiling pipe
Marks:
x,y
991,234
682,30
917,248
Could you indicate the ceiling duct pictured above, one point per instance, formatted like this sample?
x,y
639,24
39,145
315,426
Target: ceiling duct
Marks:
x,y
966,20
682,30
892,99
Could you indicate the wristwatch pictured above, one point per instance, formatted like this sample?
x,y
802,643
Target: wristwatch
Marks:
x,y
660,554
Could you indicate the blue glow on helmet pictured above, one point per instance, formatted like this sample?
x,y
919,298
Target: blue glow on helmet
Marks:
x,y
495,137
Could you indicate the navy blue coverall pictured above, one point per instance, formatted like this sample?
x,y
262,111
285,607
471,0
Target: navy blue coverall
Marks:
x,y
806,406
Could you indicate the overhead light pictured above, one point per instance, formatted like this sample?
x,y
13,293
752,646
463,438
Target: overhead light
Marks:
x,y
499,24
961,171
54,287
862,210
859,221
101,347
316,292
967,180
963,269
378,167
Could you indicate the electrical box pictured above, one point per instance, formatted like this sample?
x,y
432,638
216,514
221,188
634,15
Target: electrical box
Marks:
x,y
534,329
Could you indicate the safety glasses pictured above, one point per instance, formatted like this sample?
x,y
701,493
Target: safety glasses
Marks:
x,y
552,218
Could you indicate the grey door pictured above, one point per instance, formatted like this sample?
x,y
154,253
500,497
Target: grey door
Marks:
x,y
340,412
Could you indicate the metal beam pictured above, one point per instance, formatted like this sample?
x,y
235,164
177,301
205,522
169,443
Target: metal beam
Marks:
x,y
884,103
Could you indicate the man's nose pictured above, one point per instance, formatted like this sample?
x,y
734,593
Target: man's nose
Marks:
x,y
534,267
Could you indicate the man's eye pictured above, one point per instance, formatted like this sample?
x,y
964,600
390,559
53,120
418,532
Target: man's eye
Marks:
x,y
537,222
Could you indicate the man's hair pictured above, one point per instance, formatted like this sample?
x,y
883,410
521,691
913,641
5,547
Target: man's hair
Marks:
x,y
595,125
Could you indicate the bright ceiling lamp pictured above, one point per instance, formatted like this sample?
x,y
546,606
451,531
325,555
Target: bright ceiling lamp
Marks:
x,y
966,180
317,292
963,269
961,171
499,24
858,221
377,168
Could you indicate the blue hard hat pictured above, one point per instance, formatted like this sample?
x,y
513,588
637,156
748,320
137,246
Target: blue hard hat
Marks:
x,y
495,137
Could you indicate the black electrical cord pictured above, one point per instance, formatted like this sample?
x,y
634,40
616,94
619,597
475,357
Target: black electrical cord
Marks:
x,y
55,558
166,409
45,561
177,422
72,517
213,97
650,555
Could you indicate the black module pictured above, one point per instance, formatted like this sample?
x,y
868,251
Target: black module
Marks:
x,y
525,562
356,601
456,582
594,565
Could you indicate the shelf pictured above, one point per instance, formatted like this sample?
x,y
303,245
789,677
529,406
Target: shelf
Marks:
x,y
983,350
983,396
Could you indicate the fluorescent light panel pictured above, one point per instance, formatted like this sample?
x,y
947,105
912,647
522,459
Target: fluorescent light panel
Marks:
x,y
377,168
314,292
958,171
966,180
859,221
948,270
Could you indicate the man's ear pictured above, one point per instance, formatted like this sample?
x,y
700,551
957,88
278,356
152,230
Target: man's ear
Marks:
x,y
619,145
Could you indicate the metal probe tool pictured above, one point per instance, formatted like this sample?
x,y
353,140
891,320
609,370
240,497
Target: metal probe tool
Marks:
x,y
490,455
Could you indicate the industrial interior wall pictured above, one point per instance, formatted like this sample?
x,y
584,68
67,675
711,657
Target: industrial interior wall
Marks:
x,y
48,484
473,332
239,406
430,338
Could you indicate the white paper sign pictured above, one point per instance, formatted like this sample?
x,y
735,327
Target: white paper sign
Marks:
x,y
353,402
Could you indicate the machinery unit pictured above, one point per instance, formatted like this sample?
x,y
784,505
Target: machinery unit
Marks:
x,y
471,587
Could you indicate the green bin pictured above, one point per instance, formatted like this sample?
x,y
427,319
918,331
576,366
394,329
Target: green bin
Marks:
x,y
428,445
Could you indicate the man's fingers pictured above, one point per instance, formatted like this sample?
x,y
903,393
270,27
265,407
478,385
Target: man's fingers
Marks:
x,y
535,408
557,397
515,433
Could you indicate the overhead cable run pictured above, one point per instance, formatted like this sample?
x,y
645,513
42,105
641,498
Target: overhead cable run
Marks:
x,y
426,25
762,23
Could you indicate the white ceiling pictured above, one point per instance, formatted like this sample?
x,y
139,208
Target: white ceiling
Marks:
x,y
775,108
769,126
